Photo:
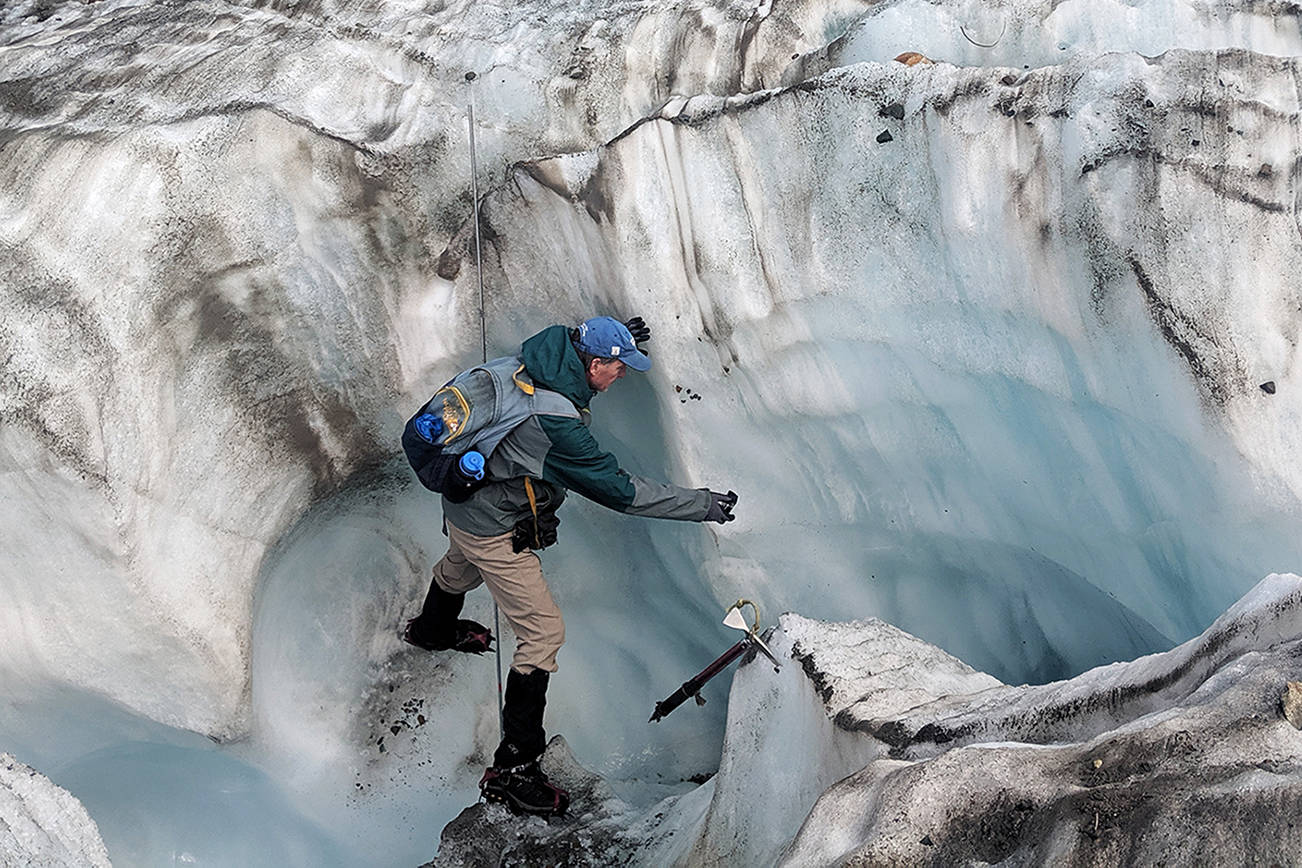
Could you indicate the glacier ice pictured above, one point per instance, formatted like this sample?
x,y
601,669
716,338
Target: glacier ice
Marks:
x,y
1004,372
993,380
875,747
1197,759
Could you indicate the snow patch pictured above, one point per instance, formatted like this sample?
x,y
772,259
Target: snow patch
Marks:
x,y
43,824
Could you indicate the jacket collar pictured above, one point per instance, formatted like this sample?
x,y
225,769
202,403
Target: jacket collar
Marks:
x,y
552,363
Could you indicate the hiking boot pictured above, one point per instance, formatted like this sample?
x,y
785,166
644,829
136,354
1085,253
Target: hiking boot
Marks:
x,y
524,790
469,637
515,779
437,627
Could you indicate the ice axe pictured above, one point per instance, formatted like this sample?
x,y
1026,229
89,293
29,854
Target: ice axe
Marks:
x,y
692,686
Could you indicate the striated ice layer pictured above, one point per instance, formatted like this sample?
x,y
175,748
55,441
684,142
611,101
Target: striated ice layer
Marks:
x,y
1025,35
1005,330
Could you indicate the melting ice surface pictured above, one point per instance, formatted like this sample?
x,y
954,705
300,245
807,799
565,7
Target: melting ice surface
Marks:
x,y
931,416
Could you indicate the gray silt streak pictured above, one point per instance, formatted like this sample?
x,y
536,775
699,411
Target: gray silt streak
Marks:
x,y
753,200
669,151
62,356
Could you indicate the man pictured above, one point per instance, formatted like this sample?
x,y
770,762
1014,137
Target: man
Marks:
x,y
493,532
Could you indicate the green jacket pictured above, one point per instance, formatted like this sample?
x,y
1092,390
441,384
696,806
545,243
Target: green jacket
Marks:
x,y
554,448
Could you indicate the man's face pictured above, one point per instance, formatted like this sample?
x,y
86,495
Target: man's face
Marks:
x,y
603,372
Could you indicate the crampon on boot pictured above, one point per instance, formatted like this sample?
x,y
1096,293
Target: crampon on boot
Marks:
x,y
524,790
470,637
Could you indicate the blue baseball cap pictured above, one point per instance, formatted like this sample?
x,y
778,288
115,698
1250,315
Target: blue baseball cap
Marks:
x,y
608,338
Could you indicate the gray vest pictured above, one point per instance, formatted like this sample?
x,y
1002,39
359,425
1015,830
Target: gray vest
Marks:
x,y
499,395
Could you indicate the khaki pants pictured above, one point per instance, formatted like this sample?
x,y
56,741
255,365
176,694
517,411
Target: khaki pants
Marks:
x,y
515,580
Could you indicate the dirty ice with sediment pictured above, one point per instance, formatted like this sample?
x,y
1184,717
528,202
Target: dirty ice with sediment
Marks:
x,y
999,351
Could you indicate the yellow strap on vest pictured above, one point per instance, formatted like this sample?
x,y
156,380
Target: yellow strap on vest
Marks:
x,y
527,388
533,507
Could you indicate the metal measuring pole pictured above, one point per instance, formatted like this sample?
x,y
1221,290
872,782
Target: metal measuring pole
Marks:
x,y
483,340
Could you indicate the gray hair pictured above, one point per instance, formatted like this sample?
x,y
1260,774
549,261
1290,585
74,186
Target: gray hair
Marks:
x,y
585,357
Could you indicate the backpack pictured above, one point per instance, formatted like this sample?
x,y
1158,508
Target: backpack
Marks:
x,y
472,412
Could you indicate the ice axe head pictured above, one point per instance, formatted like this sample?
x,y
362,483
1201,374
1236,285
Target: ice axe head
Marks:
x,y
737,621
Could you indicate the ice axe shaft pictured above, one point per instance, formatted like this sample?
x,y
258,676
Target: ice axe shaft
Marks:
x,y
693,685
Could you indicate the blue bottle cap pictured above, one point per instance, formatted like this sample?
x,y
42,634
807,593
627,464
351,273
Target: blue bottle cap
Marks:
x,y
428,426
472,465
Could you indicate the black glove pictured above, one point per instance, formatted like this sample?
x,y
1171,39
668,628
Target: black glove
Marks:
x,y
721,507
531,534
638,329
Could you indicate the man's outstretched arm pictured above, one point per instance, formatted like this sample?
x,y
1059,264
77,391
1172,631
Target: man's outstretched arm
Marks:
x,y
578,463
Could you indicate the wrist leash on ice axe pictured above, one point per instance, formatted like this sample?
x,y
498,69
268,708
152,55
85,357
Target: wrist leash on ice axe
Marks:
x,y
692,686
